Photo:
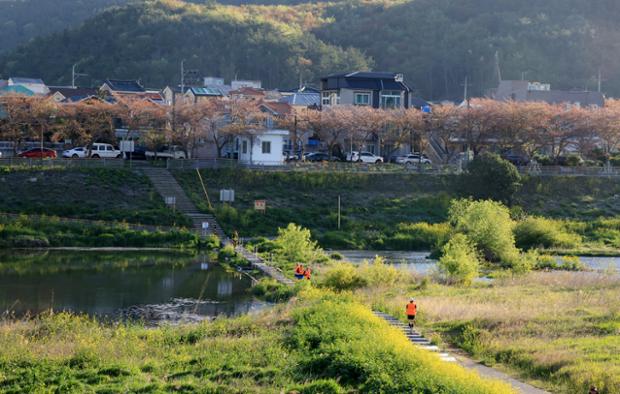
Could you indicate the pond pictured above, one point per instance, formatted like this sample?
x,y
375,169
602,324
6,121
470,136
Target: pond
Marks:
x,y
419,261
154,286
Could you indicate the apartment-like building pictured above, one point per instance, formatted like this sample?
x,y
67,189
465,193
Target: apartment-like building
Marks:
x,y
366,88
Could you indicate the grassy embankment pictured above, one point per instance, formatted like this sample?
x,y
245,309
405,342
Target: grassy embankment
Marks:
x,y
110,198
95,194
405,211
319,343
560,330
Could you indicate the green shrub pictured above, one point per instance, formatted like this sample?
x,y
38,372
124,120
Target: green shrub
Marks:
x,y
378,273
321,386
419,236
489,226
343,276
534,232
459,262
271,290
489,176
294,245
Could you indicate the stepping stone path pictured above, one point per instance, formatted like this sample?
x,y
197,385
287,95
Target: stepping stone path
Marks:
x,y
415,337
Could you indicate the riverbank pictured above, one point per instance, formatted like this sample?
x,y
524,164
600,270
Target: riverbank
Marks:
x,y
405,211
318,343
45,231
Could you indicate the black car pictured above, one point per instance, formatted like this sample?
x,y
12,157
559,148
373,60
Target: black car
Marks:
x,y
321,156
517,160
139,153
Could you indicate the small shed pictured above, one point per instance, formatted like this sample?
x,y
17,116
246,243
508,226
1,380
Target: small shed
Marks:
x,y
262,147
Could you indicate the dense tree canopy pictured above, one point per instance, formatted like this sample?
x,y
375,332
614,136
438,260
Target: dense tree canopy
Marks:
x,y
436,43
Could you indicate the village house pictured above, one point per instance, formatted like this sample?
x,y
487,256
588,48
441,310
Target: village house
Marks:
x,y
535,91
68,94
365,88
262,147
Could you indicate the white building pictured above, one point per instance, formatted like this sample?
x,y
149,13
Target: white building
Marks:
x,y
262,147
243,83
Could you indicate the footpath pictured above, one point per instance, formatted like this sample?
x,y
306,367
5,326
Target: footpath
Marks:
x,y
167,186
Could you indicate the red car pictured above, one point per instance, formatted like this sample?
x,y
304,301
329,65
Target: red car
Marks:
x,y
38,153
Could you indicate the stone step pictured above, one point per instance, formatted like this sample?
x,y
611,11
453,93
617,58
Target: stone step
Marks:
x,y
431,348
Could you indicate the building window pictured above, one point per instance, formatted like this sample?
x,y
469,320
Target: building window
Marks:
x,y
244,147
266,145
330,98
390,99
361,99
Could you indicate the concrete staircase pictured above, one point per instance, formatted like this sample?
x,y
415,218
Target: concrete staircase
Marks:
x,y
415,337
167,186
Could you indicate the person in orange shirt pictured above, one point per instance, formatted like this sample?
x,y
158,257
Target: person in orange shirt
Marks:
x,y
411,309
299,271
307,273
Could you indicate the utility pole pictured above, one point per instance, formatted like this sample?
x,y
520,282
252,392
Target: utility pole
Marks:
x,y
466,91
600,81
74,75
182,77
339,212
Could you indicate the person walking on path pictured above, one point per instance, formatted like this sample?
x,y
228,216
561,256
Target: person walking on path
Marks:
x,y
411,310
299,271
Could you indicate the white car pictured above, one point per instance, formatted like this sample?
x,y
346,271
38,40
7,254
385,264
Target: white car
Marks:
x,y
413,158
104,151
167,152
364,157
75,153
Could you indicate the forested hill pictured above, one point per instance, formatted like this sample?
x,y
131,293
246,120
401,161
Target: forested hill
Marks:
x,y
436,43
22,20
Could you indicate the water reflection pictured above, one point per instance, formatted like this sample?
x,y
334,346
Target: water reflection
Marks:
x,y
87,282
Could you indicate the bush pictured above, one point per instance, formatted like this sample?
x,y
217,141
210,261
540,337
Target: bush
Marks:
x,y
321,386
489,226
294,245
344,276
419,236
489,176
459,262
273,291
564,263
536,232
378,273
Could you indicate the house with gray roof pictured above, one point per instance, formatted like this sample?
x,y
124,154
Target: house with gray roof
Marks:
x,y
535,91
365,88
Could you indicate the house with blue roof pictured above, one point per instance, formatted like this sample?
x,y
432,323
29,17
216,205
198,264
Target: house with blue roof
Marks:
x,y
15,89
195,94
35,85
385,90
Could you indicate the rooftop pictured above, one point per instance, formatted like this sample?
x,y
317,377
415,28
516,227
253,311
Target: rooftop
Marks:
x,y
120,85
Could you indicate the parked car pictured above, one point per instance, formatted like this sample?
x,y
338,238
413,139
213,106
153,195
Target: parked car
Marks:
x,y
320,156
104,151
517,160
413,158
167,152
75,153
364,157
38,153
139,153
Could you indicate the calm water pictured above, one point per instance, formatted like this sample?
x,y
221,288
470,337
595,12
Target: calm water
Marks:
x,y
419,262
167,286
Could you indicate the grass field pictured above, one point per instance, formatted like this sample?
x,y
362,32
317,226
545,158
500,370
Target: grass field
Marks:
x,y
560,330
319,343
101,194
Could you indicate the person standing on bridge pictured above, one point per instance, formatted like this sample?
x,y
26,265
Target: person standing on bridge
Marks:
x,y
411,309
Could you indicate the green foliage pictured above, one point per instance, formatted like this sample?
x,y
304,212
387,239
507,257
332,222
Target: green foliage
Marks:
x,y
150,37
346,277
419,236
537,232
459,262
273,291
489,226
43,231
343,340
294,244
489,176
563,263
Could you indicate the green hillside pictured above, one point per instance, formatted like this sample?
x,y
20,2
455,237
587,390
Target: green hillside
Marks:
x,y
436,43
148,40
22,20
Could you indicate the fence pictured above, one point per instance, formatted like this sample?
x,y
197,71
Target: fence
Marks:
x,y
346,167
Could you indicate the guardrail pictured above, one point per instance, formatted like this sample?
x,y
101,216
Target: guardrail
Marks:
x,y
295,166
18,162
